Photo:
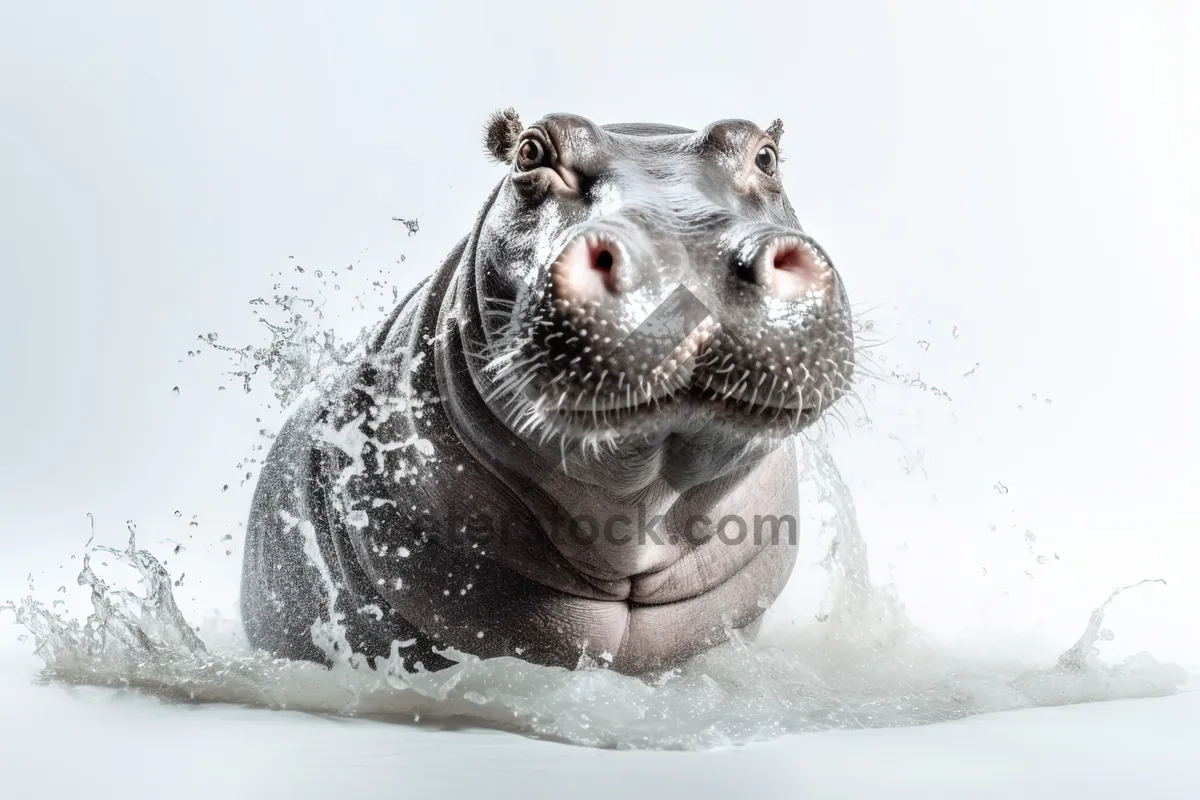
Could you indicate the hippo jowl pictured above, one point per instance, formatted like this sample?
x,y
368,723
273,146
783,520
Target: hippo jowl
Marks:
x,y
574,437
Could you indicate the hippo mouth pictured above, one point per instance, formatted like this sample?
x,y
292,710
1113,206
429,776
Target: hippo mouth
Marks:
x,y
696,406
694,387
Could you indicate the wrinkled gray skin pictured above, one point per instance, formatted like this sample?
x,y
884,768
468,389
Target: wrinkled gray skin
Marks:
x,y
502,400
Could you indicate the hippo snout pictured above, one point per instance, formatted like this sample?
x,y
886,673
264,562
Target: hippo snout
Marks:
x,y
644,329
666,284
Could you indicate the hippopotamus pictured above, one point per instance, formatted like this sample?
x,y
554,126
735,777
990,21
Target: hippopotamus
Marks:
x,y
574,441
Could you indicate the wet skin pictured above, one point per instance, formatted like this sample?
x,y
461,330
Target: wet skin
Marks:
x,y
575,437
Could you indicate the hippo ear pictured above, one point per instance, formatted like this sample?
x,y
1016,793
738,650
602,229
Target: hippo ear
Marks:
x,y
501,134
775,130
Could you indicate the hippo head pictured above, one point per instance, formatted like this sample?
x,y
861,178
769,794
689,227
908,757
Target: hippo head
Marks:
x,y
636,282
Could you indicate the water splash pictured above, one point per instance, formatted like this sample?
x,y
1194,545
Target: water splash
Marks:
x,y
864,666
859,663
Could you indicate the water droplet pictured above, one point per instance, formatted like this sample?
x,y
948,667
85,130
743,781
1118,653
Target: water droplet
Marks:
x,y
412,225
179,513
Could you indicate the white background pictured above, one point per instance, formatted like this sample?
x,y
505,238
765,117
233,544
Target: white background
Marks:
x,y
1016,183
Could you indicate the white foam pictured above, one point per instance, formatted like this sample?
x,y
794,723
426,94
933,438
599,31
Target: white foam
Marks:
x,y
864,666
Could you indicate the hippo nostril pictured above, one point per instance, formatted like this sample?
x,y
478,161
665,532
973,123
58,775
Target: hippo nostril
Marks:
x,y
588,268
789,257
793,257
796,270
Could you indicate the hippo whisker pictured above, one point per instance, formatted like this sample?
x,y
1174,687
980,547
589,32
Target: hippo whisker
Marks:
x,y
491,300
482,358
836,413
503,371
771,391
512,384
863,370
499,358
864,347
778,411
739,386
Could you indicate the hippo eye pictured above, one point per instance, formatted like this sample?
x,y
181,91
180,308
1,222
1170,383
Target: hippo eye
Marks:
x,y
766,160
530,155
